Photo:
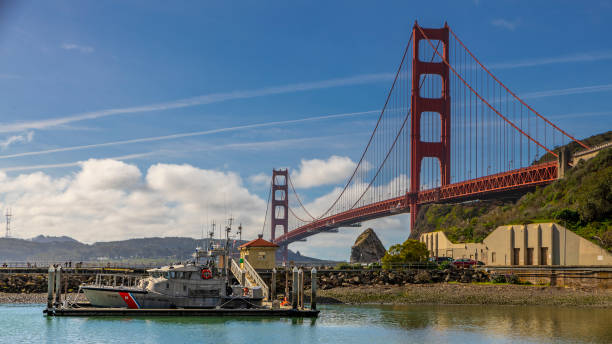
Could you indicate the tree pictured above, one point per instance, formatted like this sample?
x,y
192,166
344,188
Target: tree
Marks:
x,y
407,252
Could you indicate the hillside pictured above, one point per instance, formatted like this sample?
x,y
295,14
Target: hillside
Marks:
x,y
582,202
43,249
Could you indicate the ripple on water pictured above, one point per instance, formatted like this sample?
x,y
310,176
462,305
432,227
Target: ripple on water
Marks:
x,y
336,324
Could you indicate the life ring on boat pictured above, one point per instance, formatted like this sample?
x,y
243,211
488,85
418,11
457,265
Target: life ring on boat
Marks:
x,y
245,291
206,274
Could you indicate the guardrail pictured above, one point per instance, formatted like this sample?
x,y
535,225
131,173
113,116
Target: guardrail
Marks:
x,y
237,271
258,280
117,280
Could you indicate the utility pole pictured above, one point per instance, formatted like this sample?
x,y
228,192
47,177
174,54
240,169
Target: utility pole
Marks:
x,y
8,222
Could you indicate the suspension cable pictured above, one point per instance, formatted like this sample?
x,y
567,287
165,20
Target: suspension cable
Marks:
x,y
482,99
509,91
267,208
375,129
298,198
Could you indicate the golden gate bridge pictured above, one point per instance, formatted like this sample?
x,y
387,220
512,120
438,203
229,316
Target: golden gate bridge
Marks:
x,y
449,131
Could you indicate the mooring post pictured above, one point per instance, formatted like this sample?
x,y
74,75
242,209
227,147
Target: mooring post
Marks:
x,y
58,286
313,288
300,288
286,283
50,286
272,296
294,292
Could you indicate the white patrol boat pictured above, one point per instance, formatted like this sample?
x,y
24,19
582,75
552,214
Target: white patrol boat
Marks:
x,y
205,282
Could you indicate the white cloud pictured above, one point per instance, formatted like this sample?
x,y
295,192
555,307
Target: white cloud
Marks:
x,y
317,172
506,24
77,47
28,137
260,179
112,200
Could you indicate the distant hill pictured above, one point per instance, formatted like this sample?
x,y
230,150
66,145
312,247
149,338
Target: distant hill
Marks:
x,y
48,239
582,202
44,248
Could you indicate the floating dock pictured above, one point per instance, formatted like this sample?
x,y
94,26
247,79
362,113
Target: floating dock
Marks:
x,y
187,312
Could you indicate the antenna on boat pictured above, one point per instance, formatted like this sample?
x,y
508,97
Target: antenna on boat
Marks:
x,y
240,231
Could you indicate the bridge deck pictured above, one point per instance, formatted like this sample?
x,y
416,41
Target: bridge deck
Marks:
x,y
516,181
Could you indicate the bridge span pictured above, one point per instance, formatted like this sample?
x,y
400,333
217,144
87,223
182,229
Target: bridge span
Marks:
x,y
449,131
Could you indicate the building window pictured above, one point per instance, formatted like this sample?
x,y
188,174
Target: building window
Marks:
x,y
492,257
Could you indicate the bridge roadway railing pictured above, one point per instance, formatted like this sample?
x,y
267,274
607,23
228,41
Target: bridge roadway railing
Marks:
x,y
527,177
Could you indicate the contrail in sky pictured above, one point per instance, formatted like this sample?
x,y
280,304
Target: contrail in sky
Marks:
x,y
182,135
200,100
582,57
274,90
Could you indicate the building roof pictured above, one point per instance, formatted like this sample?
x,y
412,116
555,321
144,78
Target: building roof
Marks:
x,y
259,242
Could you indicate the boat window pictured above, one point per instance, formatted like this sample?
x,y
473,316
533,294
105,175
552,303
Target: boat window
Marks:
x,y
167,275
187,275
172,274
179,274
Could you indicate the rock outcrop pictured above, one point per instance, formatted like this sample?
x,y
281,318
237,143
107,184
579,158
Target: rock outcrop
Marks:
x,y
367,248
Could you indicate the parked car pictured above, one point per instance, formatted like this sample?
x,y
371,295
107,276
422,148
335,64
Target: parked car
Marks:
x,y
464,262
441,260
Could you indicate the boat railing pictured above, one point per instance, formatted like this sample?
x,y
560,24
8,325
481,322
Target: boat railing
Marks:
x,y
117,280
250,271
237,271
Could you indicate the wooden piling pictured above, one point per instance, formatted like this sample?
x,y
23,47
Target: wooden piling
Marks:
x,y
58,286
313,289
50,286
272,296
294,292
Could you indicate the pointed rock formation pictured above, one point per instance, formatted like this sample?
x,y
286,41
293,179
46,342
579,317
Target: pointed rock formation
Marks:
x,y
367,248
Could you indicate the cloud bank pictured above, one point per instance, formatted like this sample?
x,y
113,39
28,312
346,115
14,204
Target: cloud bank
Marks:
x,y
111,200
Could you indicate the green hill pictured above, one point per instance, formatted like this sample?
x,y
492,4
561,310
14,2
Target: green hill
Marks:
x,y
582,202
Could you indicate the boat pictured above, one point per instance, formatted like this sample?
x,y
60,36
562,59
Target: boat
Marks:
x,y
210,280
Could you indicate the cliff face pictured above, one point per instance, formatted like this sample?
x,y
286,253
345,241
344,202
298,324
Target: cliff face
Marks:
x,y
367,248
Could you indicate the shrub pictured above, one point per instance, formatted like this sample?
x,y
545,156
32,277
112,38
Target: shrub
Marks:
x,y
407,252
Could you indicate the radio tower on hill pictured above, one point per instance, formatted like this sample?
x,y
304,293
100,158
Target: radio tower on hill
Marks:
x,y
8,222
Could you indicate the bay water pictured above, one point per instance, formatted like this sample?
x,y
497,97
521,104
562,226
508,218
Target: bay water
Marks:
x,y
336,324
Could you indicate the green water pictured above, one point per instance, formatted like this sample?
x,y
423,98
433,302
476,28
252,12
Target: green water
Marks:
x,y
336,324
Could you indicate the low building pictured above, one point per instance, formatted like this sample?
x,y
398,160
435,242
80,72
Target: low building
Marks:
x,y
533,244
261,254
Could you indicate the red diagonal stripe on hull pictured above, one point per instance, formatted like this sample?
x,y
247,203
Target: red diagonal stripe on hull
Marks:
x,y
129,301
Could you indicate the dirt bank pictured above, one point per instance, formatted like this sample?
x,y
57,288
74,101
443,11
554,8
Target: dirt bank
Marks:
x,y
469,293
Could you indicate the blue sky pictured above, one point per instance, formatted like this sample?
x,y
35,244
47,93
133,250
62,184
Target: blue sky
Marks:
x,y
85,73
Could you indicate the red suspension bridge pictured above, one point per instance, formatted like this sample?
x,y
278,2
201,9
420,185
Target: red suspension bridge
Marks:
x,y
449,131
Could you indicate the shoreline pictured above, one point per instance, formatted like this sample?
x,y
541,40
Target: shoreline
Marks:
x,y
424,294
468,294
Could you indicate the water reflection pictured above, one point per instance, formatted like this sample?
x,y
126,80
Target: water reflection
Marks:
x,y
518,322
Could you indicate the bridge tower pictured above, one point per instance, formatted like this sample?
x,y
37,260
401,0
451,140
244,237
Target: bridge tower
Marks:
x,y
422,149
280,205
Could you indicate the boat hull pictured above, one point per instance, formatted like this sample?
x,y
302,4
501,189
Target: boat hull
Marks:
x,y
110,297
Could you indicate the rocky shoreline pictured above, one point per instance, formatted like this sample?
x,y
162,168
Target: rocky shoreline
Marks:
x,y
468,294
